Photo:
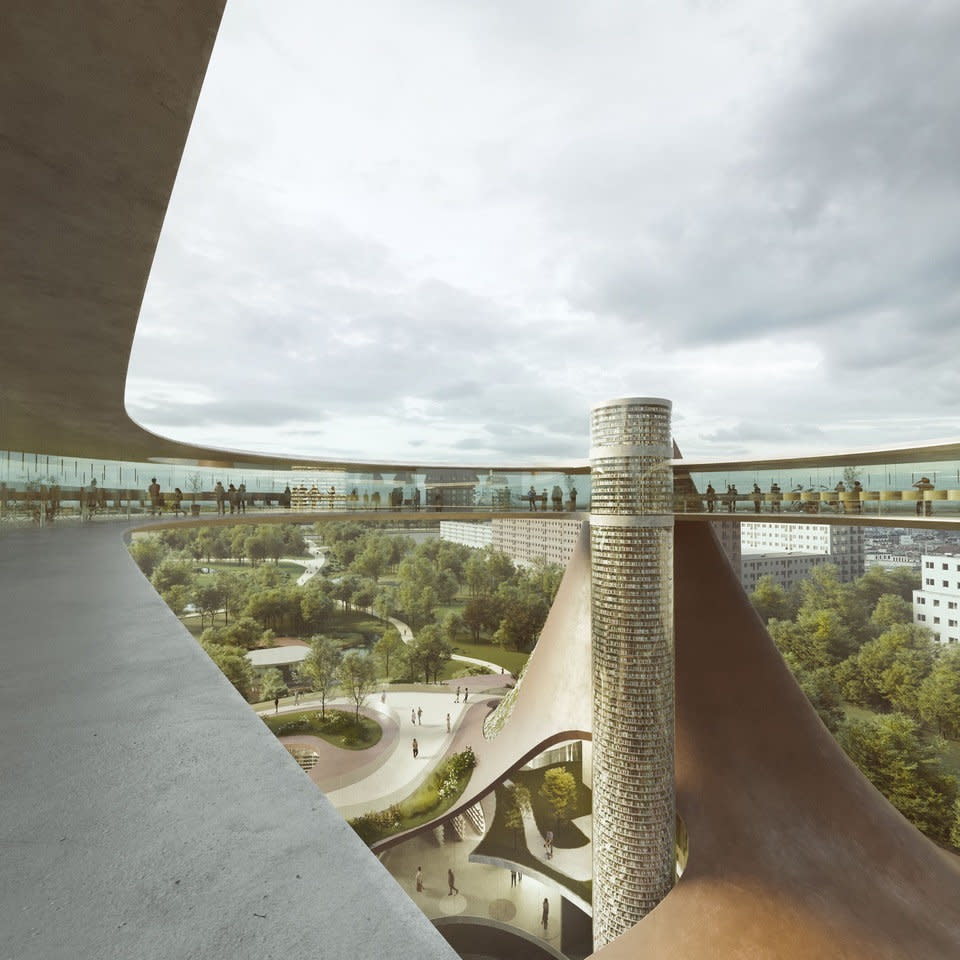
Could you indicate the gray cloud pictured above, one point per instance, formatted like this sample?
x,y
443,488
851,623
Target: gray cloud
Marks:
x,y
716,203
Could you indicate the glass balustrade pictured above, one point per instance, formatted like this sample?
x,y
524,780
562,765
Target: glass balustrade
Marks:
x,y
39,488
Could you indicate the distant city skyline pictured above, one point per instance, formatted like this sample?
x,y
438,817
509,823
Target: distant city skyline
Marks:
x,y
441,233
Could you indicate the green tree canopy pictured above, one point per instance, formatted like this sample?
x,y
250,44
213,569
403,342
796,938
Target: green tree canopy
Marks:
x,y
272,684
888,671
147,552
321,667
772,602
890,609
518,804
358,678
559,789
939,697
234,665
388,648
428,652
889,751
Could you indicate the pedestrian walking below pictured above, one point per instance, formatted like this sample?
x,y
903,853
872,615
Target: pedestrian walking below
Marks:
x,y
413,716
453,888
419,879
416,748
448,723
420,716
545,916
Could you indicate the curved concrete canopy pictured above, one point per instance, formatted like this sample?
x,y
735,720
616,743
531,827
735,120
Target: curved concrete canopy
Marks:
x,y
97,100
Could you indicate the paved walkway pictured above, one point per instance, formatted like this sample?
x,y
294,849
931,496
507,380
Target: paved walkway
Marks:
x,y
406,635
573,862
313,564
401,773
360,781
485,891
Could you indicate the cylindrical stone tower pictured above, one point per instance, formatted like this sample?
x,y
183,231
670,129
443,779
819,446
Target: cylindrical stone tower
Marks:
x,y
631,542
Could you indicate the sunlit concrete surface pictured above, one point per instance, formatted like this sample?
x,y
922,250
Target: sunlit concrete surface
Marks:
x,y
145,810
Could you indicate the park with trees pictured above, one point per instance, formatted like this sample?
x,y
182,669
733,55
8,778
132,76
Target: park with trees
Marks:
x,y
235,589
881,684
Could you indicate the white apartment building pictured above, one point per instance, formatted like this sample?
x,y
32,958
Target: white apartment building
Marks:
x,y
789,551
936,604
470,534
524,540
891,561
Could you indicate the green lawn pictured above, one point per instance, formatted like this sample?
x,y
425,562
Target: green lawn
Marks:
x,y
509,659
506,844
338,727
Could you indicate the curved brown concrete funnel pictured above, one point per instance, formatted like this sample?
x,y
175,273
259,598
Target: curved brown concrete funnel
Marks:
x,y
793,854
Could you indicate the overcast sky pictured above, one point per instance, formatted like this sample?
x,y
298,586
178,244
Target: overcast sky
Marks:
x,y
440,231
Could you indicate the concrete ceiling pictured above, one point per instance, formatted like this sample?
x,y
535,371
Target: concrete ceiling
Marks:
x,y
97,100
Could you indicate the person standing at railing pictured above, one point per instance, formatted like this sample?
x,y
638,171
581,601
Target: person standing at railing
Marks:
x,y
154,491
775,497
416,498
711,498
220,495
242,498
557,497
857,504
924,507
840,489
573,499
177,501
756,495
731,497
532,497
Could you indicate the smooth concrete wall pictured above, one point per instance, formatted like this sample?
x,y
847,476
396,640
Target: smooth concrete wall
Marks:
x,y
145,811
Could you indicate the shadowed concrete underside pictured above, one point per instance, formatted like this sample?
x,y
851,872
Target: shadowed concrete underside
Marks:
x,y
793,853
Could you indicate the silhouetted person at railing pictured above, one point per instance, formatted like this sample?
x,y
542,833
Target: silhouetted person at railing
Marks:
x,y
156,505
711,498
332,494
838,504
756,495
242,498
857,488
731,497
532,497
54,500
556,494
924,507
178,502
573,499
285,497
775,497
416,498
233,498
376,499
220,495
93,497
